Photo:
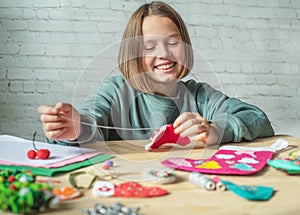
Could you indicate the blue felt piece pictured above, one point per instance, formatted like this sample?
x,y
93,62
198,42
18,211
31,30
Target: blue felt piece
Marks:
x,y
255,193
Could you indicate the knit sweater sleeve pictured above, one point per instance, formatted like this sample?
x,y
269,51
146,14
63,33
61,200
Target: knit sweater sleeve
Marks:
x,y
236,120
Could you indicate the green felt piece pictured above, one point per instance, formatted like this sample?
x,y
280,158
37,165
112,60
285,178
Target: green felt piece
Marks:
x,y
60,170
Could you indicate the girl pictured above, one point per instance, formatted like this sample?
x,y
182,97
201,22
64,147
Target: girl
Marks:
x,y
154,56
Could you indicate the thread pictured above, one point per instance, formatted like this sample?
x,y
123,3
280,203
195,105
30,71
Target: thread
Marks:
x,y
106,127
202,181
219,184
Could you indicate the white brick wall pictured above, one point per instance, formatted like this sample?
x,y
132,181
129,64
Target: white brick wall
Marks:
x,y
252,46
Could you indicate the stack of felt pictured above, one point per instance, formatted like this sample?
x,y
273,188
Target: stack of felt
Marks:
x,y
63,159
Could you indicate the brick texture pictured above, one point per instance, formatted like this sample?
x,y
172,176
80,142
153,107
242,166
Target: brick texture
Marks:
x,y
248,49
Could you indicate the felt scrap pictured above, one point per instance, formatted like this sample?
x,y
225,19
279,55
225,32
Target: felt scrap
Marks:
x,y
66,193
254,193
134,189
126,189
164,135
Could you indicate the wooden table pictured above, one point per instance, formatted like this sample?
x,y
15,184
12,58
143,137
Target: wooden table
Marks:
x,y
186,198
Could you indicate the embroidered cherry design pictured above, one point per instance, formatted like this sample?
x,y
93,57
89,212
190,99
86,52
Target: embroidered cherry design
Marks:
x,y
40,153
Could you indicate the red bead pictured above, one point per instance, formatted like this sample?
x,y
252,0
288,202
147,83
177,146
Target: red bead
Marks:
x,y
109,163
31,154
43,154
106,167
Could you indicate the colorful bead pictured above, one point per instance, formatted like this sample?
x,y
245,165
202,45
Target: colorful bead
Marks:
x,y
109,163
106,167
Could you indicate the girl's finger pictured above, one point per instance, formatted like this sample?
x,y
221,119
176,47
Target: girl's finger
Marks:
x,y
56,134
194,130
200,137
52,126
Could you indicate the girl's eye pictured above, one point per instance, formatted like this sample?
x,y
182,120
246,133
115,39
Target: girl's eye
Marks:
x,y
149,48
172,43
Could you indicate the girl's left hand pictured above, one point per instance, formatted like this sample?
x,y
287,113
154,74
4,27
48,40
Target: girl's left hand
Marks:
x,y
196,127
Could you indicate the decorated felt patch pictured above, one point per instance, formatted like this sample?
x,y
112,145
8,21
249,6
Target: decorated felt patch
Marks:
x,y
126,189
290,165
165,135
236,160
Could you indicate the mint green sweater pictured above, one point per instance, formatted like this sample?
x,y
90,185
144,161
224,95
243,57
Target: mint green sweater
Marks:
x,y
116,104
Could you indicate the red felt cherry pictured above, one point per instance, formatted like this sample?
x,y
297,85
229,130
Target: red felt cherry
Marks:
x,y
40,153
31,154
43,154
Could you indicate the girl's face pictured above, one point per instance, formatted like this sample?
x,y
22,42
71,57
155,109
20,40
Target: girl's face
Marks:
x,y
163,49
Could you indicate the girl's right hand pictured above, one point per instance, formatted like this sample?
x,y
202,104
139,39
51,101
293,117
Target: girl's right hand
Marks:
x,y
60,122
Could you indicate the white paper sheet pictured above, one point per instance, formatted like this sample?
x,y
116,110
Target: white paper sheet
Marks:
x,y
14,150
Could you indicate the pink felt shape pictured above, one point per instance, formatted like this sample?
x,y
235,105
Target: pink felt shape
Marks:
x,y
165,134
223,162
234,160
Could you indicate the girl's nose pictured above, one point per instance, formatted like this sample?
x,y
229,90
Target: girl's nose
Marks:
x,y
163,51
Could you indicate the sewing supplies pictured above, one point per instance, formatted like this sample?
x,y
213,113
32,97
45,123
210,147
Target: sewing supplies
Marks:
x,y
107,165
165,134
229,159
218,183
66,193
254,193
289,165
40,153
202,181
20,193
159,175
115,209
106,127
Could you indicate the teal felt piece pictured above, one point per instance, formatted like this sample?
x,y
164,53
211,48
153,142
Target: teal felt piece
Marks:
x,y
254,193
286,165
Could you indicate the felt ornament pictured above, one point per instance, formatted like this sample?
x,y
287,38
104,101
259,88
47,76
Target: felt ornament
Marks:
x,y
165,135
135,189
289,165
126,189
237,160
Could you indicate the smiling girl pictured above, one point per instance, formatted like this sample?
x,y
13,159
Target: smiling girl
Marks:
x,y
154,56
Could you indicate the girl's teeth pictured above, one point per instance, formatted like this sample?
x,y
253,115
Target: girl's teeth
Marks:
x,y
167,66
